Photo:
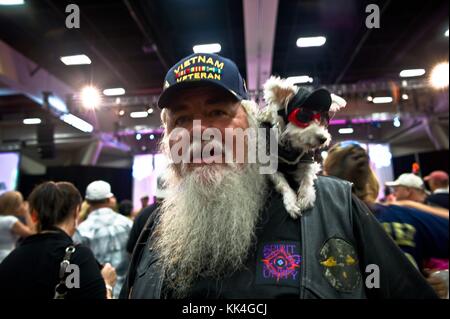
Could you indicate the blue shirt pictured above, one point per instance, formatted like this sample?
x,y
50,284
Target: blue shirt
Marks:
x,y
420,235
106,233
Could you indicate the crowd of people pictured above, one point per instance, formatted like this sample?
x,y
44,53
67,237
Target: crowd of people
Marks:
x,y
222,231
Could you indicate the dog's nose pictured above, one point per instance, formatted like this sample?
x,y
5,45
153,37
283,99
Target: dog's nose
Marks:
x,y
322,139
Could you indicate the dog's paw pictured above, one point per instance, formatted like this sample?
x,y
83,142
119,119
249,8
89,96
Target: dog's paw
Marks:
x,y
290,203
306,201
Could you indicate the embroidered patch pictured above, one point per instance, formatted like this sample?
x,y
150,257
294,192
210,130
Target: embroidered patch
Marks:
x,y
279,263
340,264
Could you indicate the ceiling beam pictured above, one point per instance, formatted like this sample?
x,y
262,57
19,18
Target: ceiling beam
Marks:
x,y
260,19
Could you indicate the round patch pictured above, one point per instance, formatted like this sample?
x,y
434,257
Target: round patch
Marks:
x,y
340,264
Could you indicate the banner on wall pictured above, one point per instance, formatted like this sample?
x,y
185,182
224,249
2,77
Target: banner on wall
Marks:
x,y
9,171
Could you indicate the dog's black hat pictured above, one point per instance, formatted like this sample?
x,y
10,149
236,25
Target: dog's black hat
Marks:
x,y
318,100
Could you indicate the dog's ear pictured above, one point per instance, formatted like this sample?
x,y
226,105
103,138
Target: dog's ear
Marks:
x,y
278,91
337,103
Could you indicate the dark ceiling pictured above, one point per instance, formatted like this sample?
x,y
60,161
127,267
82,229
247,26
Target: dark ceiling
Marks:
x,y
132,43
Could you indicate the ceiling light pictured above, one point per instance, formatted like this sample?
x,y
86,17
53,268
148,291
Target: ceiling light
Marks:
x,y
405,96
121,112
138,115
150,110
207,48
31,121
439,76
78,59
11,2
446,33
152,137
138,136
299,79
90,97
396,122
382,99
346,130
306,42
370,98
78,123
114,91
412,73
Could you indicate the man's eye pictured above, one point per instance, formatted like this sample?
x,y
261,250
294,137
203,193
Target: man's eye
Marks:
x,y
218,113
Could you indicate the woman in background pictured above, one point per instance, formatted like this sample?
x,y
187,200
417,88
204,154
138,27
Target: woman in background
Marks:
x,y
12,207
33,269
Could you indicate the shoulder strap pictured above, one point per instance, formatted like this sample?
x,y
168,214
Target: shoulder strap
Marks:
x,y
61,288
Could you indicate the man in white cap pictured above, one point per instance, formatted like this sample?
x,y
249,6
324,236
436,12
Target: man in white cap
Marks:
x,y
408,187
105,231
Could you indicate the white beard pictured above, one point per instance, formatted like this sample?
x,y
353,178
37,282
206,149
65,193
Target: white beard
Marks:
x,y
207,222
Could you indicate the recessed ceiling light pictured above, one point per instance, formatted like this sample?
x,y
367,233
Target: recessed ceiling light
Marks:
x,y
412,73
207,48
11,2
31,121
114,91
138,115
78,59
346,130
76,122
300,79
382,99
306,42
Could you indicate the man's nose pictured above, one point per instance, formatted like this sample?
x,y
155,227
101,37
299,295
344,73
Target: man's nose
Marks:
x,y
200,125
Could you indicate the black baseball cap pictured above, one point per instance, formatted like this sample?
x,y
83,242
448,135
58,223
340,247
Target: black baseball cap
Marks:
x,y
203,68
318,100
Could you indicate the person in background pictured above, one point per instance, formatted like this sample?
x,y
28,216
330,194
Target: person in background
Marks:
x,y
144,201
438,183
32,270
408,186
126,208
84,212
12,207
420,235
143,216
105,231
409,191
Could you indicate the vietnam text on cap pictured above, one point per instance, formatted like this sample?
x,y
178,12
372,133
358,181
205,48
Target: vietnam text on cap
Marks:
x,y
199,69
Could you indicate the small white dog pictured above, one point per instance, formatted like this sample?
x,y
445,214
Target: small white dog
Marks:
x,y
301,118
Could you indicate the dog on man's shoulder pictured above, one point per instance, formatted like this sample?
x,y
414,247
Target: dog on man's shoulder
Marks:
x,y
301,118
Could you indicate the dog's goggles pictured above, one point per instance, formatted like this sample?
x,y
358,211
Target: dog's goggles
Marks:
x,y
302,117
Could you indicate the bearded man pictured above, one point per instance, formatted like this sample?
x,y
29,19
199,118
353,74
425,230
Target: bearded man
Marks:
x,y
223,232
